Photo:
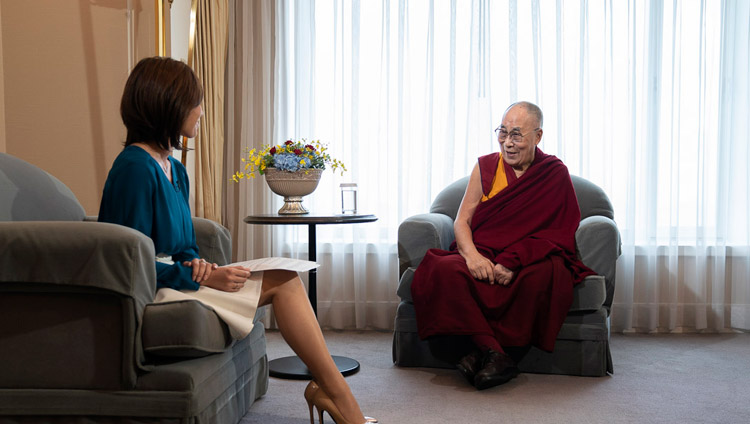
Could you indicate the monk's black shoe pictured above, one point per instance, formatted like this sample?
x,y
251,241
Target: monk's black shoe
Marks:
x,y
498,368
470,364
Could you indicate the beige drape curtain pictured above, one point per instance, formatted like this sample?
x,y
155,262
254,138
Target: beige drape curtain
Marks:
x,y
251,83
209,63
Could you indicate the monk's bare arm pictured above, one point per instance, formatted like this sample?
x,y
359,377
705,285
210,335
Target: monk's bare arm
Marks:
x,y
480,267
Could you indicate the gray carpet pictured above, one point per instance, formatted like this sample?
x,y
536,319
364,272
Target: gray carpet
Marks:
x,y
691,378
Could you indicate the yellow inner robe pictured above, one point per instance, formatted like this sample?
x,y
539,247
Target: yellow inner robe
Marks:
x,y
499,182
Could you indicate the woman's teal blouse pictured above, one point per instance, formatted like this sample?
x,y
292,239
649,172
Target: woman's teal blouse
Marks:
x,y
138,194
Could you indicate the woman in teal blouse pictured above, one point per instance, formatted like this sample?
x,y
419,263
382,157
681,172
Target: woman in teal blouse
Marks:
x,y
139,194
148,190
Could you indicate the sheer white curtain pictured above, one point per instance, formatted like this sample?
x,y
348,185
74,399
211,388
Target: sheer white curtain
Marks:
x,y
686,265
648,99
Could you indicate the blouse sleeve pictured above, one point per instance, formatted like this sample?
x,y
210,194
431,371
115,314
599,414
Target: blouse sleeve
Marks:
x,y
175,276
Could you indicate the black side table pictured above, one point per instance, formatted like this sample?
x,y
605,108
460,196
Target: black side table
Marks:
x,y
291,366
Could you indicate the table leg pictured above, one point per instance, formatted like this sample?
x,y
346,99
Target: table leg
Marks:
x,y
312,275
292,367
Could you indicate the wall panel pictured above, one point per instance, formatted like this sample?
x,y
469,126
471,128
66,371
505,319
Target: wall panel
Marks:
x,y
64,64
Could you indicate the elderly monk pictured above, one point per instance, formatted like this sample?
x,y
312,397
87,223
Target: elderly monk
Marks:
x,y
507,280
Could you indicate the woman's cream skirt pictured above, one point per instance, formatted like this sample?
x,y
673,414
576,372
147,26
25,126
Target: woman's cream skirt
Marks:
x,y
236,309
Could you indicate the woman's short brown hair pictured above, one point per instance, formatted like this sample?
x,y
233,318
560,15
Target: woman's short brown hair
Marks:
x,y
158,96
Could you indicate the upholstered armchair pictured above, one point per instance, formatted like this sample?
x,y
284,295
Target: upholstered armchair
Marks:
x,y
582,346
81,340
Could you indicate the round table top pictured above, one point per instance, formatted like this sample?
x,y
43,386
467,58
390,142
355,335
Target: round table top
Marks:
x,y
309,218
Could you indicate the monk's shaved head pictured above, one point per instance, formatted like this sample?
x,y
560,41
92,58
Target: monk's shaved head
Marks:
x,y
531,109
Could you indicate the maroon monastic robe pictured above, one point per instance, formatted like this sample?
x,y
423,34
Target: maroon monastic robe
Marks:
x,y
529,227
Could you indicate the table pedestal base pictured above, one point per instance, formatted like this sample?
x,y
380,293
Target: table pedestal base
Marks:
x,y
292,367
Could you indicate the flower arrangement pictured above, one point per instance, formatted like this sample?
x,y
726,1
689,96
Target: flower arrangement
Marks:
x,y
292,156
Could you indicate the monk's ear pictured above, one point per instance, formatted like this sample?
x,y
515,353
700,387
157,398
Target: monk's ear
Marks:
x,y
538,135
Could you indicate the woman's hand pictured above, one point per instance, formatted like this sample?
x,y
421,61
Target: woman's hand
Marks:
x,y
201,269
502,275
480,267
228,278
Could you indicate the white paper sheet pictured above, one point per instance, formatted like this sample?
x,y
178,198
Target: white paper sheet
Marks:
x,y
265,264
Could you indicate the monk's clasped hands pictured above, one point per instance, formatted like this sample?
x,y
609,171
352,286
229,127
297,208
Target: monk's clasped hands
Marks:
x,y
480,267
502,275
483,269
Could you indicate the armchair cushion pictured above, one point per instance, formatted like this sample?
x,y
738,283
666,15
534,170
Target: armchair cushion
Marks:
x,y
183,329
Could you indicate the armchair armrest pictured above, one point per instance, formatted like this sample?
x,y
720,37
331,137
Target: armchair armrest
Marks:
x,y
76,290
599,243
214,241
419,233
88,254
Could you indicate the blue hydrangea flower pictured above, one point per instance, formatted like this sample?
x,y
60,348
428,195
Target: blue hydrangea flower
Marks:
x,y
287,162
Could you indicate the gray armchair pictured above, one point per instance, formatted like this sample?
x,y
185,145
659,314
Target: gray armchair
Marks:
x,y
582,346
81,340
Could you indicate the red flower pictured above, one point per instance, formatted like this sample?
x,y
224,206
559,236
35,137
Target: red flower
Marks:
x,y
310,147
288,142
273,150
297,152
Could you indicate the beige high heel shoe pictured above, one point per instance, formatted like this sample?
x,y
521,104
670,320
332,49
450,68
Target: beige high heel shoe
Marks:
x,y
315,396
